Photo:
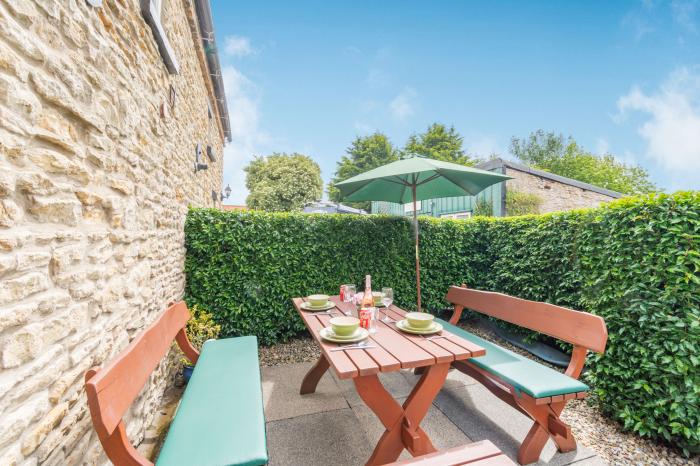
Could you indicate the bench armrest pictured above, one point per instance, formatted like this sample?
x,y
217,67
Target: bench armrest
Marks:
x,y
184,343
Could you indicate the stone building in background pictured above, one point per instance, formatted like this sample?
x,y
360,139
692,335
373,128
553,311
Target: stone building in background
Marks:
x,y
104,111
541,191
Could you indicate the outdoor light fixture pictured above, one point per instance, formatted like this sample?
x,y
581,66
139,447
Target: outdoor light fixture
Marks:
x,y
227,191
198,165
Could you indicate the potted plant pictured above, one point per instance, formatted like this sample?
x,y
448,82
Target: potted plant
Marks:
x,y
200,328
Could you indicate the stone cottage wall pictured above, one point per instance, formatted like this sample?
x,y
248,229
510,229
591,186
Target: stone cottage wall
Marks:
x,y
555,196
96,173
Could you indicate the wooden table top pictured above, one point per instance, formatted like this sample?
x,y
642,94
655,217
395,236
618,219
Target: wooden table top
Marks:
x,y
393,349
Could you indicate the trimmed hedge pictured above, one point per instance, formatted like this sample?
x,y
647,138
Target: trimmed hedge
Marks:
x,y
635,262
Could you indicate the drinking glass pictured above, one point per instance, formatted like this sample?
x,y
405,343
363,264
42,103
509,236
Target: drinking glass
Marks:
x,y
350,292
387,299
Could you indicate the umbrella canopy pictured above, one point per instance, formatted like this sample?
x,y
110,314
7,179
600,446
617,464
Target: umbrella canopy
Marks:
x,y
414,179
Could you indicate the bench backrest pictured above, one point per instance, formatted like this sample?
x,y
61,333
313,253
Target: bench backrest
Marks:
x,y
576,327
112,389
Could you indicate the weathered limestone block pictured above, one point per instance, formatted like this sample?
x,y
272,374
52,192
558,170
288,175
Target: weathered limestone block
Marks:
x,y
18,288
54,128
122,185
36,183
55,162
7,183
35,436
16,315
10,213
53,210
13,424
27,260
22,346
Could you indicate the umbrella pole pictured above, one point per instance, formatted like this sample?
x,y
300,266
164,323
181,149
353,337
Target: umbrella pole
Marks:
x,y
415,230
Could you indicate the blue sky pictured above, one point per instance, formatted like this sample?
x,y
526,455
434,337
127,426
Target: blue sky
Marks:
x,y
309,76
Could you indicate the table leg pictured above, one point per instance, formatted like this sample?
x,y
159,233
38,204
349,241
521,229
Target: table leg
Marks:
x,y
402,423
311,379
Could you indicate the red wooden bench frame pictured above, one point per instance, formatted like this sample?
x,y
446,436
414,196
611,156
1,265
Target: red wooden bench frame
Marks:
x,y
482,453
585,331
112,389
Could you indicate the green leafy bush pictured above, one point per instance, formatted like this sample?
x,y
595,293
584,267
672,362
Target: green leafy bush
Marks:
x,y
522,203
634,262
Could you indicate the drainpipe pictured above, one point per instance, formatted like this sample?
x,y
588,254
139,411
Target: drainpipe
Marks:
x,y
206,28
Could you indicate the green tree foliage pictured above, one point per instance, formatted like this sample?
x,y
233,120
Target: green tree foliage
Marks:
x,y
522,203
364,153
551,152
282,182
441,143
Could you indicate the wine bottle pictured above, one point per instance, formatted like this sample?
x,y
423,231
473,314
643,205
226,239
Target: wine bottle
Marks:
x,y
367,300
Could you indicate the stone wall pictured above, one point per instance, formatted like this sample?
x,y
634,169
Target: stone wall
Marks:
x,y
95,179
556,196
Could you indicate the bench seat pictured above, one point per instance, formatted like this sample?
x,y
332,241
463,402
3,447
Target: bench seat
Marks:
x,y
523,374
220,418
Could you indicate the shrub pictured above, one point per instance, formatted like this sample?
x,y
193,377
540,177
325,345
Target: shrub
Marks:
x,y
635,262
522,203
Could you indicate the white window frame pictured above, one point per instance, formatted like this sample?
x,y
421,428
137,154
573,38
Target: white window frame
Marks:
x,y
151,11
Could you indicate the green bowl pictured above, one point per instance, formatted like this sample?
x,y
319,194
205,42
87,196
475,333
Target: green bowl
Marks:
x,y
419,320
344,326
318,300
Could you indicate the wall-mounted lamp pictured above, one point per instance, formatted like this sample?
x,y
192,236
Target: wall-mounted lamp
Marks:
x,y
220,196
198,165
227,191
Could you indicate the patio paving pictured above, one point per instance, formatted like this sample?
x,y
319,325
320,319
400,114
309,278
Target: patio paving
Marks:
x,y
334,427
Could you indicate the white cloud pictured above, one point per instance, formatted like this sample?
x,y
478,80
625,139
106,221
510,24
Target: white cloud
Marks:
x,y
238,46
482,146
602,146
403,105
684,13
671,128
247,139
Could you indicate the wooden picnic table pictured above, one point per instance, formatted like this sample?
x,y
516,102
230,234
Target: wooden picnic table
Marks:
x,y
393,350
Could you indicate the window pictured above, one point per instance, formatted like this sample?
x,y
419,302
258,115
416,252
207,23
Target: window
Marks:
x,y
409,207
151,11
457,215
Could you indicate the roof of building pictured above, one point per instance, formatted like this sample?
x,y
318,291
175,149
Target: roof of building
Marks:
x,y
233,207
498,163
328,207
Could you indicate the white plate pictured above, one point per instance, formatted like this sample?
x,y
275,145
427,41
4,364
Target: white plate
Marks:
x,y
403,326
359,335
308,307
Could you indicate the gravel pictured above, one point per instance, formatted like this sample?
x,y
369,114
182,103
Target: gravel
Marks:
x,y
591,428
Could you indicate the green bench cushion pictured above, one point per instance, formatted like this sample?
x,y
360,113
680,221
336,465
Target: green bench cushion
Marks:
x,y
524,374
220,419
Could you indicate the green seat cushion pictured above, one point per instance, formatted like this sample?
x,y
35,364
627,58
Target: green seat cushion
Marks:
x,y
220,419
524,374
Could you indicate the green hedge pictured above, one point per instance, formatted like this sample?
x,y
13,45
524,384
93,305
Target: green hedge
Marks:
x,y
635,262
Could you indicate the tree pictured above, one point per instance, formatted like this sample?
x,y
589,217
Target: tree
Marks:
x,y
441,143
364,153
551,152
282,182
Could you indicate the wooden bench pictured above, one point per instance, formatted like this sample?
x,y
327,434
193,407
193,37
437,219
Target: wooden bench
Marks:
x,y
482,453
220,418
532,388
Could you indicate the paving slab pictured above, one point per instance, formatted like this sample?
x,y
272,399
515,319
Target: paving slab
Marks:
x,y
455,378
394,382
328,438
443,433
481,416
281,393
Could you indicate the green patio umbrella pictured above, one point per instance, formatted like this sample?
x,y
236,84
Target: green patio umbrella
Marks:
x,y
414,179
